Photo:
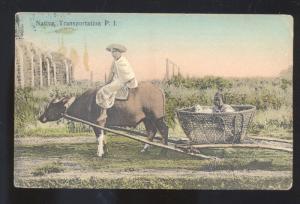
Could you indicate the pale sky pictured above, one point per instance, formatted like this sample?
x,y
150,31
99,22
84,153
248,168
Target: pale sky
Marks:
x,y
201,44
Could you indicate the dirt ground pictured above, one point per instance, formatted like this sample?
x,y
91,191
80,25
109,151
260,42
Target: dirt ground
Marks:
x,y
71,162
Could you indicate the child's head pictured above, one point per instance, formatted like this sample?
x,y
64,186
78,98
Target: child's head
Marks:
x,y
218,99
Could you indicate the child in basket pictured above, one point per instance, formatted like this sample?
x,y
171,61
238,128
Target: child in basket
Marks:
x,y
219,106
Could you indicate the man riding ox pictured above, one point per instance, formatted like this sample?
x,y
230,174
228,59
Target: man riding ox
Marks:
x,y
105,106
121,74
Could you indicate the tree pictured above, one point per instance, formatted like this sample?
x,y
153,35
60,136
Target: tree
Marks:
x,y
86,58
74,56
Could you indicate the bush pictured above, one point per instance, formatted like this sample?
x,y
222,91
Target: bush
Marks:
x,y
74,127
272,96
262,100
208,82
272,120
182,98
27,108
29,104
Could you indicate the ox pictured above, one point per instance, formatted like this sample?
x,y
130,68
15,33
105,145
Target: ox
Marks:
x,y
146,104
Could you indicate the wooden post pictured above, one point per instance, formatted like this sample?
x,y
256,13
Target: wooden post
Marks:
x,y
71,72
41,70
17,65
32,69
167,69
67,71
54,69
48,71
22,81
173,71
16,70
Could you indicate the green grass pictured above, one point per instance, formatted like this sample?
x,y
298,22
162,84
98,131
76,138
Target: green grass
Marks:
x,y
124,156
273,122
150,182
52,129
54,167
51,132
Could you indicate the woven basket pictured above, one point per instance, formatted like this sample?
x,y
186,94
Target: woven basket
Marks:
x,y
216,128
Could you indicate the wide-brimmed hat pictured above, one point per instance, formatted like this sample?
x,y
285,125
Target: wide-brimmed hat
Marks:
x,y
119,47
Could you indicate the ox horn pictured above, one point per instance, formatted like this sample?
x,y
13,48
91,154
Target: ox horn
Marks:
x,y
56,100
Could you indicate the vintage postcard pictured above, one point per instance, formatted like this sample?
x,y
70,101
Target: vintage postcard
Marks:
x,y
153,101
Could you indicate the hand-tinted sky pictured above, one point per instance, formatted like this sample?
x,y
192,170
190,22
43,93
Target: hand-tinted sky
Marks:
x,y
222,45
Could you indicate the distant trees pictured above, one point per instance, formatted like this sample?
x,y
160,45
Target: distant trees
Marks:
x,y
287,73
74,57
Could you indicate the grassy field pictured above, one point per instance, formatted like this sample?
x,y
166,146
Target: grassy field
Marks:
x,y
71,162
62,154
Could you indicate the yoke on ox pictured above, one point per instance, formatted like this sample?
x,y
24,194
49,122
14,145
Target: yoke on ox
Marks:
x,y
146,104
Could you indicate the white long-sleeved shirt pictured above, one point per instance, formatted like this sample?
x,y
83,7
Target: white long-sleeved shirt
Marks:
x,y
122,70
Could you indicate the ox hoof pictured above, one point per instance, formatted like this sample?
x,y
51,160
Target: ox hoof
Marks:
x,y
144,151
100,155
105,149
105,154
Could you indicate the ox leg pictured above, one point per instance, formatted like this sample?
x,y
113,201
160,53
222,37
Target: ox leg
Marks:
x,y
102,149
99,138
151,131
164,131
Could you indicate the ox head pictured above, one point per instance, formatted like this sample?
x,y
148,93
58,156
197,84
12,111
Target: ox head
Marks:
x,y
55,109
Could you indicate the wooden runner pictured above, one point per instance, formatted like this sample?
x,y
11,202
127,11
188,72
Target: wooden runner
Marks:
x,y
203,146
270,139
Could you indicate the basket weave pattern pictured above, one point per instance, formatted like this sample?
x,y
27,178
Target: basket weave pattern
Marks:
x,y
216,128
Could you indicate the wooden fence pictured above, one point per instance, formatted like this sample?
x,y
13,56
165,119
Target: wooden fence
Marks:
x,y
172,69
36,68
